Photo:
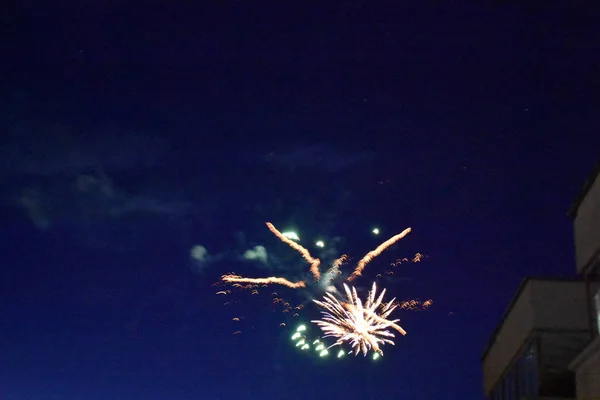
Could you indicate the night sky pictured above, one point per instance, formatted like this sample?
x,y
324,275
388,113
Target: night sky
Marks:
x,y
133,134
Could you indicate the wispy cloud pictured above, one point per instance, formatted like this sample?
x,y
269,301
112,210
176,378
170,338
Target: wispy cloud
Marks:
x,y
320,157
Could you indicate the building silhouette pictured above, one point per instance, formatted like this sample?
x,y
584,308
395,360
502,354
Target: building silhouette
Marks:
x,y
547,345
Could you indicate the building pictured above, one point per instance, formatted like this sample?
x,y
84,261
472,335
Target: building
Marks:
x,y
544,328
586,215
547,345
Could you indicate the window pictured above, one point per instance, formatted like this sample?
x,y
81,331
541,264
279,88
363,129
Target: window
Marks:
x,y
530,371
511,387
522,379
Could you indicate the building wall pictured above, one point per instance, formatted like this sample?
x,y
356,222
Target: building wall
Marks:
x,y
587,372
559,305
596,310
542,304
587,226
587,364
509,339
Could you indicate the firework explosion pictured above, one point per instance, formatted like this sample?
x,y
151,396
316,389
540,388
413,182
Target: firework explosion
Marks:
x,y
314,262
363,326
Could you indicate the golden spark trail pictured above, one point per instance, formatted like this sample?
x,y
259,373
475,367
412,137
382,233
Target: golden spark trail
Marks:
x,y
314,262
335,268
374,253
338,262
414,305
265,281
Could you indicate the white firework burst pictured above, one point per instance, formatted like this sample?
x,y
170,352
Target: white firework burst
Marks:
x,y
365,327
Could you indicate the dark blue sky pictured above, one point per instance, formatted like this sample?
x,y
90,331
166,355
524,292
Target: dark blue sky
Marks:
x,y
132,133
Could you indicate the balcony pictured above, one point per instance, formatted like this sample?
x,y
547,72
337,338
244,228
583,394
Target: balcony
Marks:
x,y
545,327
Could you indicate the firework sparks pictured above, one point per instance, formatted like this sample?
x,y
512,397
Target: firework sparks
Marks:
x,y
414,305
374,253
417,258
340,261
314,262
334,271
314,267
363,326
265,281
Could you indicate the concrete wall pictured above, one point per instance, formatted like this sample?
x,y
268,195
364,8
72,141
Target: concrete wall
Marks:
x,y
587,372
559,305
596,309
587,226
542,304
511,336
